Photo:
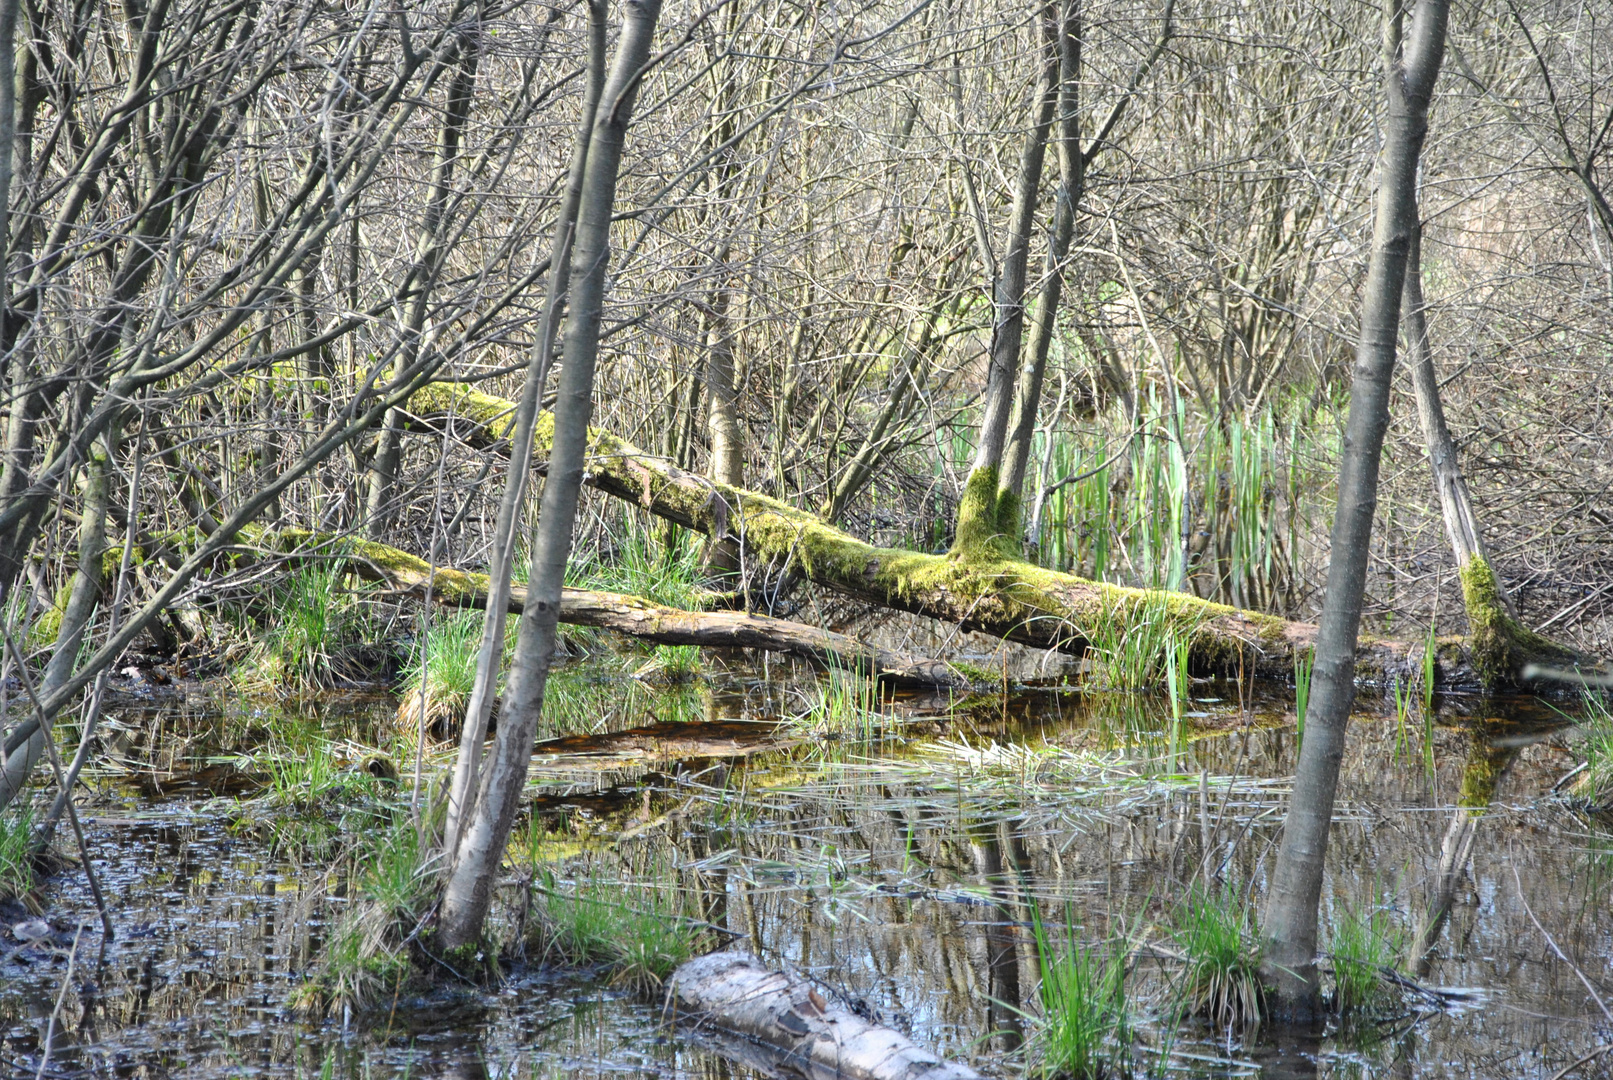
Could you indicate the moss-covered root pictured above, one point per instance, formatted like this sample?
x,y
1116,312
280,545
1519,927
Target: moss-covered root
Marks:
x,y
1501,646
981,530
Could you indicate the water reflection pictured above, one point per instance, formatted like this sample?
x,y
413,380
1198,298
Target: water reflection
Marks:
x,y
899,872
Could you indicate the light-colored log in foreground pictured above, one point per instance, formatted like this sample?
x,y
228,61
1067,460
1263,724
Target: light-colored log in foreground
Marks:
x,y
738,995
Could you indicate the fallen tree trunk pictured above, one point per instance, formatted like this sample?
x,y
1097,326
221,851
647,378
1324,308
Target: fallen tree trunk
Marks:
x,y
631,615
820,1037
977,589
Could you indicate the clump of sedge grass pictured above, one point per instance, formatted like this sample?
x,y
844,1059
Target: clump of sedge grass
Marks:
x,y
843,704
367,960
1365,947
440,682
311,799
1214,931
16,860
671,664
639,936
315,636
1594,785
1085,1029
640,564
1138,643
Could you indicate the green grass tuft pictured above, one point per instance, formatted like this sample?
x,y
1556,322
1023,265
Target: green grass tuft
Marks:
x,y
16,861
1594,786
367,960
447,674
671,664
1214,931
845,704
316,635
1365,947
638,935
641,565
1085,1029
1139,644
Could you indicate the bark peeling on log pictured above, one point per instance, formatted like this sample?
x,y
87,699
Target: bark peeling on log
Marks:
x,y
739,995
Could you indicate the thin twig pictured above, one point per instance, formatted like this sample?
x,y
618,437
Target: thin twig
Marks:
x,y
1592,1056
1516,880
50,1026
61,781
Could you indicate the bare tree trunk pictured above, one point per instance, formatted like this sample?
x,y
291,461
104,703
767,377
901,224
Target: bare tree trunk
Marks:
x,y
978,524
1072,177
1502,646
1291,912
490,653
1454,503
8,141
380,511
475,860
727,448
89,580
1005,437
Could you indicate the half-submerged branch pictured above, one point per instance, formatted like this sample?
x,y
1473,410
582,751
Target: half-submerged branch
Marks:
x,y
980,590
816,1035
633,616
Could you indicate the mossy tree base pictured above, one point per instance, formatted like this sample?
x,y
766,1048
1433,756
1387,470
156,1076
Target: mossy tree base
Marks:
x,y
1502,647
978,586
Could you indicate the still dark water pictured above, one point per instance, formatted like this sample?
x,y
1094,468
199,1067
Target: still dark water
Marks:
x,y
877,865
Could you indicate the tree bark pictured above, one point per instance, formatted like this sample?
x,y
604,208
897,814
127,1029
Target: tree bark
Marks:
x,y
1072,177
490,652
978,524
1290,929
83,599
475,860
817,1035
381,509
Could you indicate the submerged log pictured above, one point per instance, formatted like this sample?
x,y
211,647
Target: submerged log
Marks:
x,y
977,588
633,616
817,1035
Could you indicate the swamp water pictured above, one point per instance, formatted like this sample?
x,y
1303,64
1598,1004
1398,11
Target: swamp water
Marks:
x,y
900,869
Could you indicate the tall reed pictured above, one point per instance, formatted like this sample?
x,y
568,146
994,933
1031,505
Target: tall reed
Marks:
x,y
1221,507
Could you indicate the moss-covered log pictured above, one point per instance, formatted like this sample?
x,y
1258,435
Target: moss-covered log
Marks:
x,y
978,586
630,615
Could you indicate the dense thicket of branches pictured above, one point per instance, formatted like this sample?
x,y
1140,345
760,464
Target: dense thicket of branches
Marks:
x,y
240,232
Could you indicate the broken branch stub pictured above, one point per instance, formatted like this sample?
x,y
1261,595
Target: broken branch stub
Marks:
x,y
738,994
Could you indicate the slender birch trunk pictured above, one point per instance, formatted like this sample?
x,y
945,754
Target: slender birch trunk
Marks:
x,y
1290,928
1072,179
490,653
475,860
1502,646
978,526
83,598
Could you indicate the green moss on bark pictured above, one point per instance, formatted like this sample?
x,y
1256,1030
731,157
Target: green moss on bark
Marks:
x,y
1500,645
